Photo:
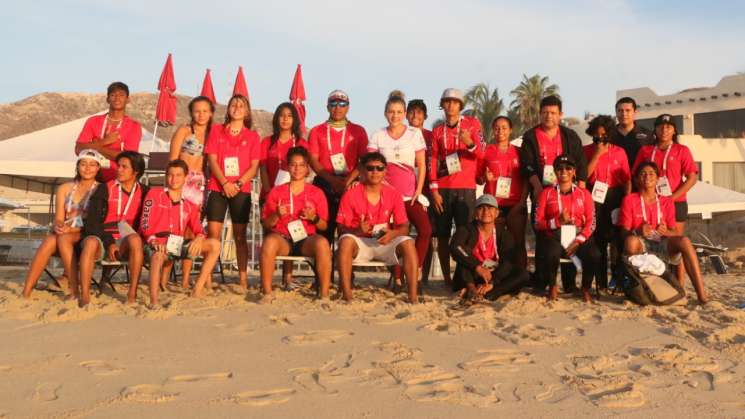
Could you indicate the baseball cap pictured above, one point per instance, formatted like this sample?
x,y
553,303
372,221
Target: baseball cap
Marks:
x,y
487,199
564,160
452,93
91,154
338,95
665,118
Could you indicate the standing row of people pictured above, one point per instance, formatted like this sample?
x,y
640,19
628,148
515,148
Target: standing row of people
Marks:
x,y
369,190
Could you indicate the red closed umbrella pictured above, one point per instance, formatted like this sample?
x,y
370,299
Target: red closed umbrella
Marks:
x,y
297,95
240,84
207,89
165,110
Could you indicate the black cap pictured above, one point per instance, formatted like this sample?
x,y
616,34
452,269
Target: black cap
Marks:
x,y
564,160
665,118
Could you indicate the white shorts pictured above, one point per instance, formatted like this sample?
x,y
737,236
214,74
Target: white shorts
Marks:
x,y
370,250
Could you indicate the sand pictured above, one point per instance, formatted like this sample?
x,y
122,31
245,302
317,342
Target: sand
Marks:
x,y
228,356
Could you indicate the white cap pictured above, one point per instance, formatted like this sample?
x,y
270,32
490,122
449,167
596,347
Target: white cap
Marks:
x,y
91,154
338,94
452,93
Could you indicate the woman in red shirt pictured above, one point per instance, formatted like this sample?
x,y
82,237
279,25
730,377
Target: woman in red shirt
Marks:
x,y
648,224
609,179
499,171
564,223
233,152
286,133
677,170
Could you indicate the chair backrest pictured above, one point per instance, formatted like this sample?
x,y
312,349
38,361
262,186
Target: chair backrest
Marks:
x,y
158,161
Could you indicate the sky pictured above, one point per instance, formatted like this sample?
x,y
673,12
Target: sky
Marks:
x,y
368,48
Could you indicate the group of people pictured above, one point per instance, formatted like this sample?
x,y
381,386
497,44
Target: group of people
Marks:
x,y
342,194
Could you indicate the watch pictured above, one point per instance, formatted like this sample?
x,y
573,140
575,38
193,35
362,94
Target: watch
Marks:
x,y
239,184
316,220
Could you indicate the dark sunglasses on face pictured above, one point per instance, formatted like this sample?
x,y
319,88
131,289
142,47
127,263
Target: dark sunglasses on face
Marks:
x,y
338,103
560,168
374,167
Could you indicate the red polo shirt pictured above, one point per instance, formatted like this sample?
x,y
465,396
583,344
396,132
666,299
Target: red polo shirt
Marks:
x,y
612,167
445,141
130,134
632,213
505,164
679,163
246,146
353,136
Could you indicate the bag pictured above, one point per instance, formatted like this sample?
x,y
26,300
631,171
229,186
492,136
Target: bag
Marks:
x,y
647,289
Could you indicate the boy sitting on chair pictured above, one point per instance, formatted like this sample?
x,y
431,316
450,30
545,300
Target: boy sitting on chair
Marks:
x,y
364,218
165,217
295,213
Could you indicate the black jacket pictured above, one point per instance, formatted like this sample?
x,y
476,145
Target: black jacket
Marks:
x,y
633,141
464,241
570,144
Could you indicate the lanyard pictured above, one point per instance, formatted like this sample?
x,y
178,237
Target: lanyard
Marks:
x,y
106,122
571,202
482,244
544,150
664,159
509,161
328,137
180,215
457,134
292,201
68,201
644,208
119,201
279,154
380,207
607,167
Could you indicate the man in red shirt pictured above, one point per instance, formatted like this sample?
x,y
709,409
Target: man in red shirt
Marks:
x,y
165,218
335,148
112,132
456,149
364,217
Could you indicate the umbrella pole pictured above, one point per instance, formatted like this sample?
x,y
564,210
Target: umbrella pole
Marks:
x,y
152,143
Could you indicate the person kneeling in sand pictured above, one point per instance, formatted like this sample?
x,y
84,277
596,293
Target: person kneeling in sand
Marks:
x,y
364,218
647,223
166,215
110,227
296,212
483,252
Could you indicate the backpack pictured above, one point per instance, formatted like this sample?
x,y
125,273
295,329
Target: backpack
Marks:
x,y
647,289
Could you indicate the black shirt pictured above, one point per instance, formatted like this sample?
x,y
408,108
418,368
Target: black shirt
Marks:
x,y
633,141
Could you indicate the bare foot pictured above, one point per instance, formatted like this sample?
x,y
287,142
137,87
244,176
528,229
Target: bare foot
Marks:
x,y
586,297
703,299
197,293
267,299
84,301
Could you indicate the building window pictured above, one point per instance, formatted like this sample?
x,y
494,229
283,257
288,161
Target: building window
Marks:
x,y
730,175
720,124
649,123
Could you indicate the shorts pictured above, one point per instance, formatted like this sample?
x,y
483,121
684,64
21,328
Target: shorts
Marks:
x,y
194,188
149,251
102,250
370,250
505,211
681,212
458,205
659,249
295,248
239,207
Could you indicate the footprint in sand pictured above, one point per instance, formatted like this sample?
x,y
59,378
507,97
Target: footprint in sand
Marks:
x,y
321,379
147,393
619,395
5,368
530,334
497,360
541,392
101,368
283,320
46,392
262,397
193,378
314,337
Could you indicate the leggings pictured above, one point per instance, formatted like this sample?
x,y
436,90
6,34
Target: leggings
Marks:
x,y
506,279
419,217
548,252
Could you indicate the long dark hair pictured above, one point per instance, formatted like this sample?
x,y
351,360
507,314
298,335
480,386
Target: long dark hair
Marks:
x,y
247,120
97,178
191,108
675,136
296,129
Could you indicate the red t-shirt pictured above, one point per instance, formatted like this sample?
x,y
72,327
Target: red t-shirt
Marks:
x,y
502,164
310,196
274,156
161,217
444,142
548,148
119,206
355,144
246,146
679,163
612,167
632,214
354,205
97,126
486,248
581,209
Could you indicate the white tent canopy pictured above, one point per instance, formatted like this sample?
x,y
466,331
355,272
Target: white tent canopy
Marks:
x,y
50,152
706,199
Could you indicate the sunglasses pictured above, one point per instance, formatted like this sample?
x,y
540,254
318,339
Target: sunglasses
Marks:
x,y
374,167
560,168
338,104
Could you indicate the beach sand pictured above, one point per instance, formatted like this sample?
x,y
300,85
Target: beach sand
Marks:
x,y
228,356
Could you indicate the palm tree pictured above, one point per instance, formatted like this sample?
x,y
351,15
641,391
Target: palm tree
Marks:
x,y
528,95
484,104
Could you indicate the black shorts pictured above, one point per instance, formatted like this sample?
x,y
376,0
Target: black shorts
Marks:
x,y
295,248
681,212
505,211
239,206
458,205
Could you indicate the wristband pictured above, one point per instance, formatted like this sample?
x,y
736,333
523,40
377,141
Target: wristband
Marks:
x,y
239,184
316,220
